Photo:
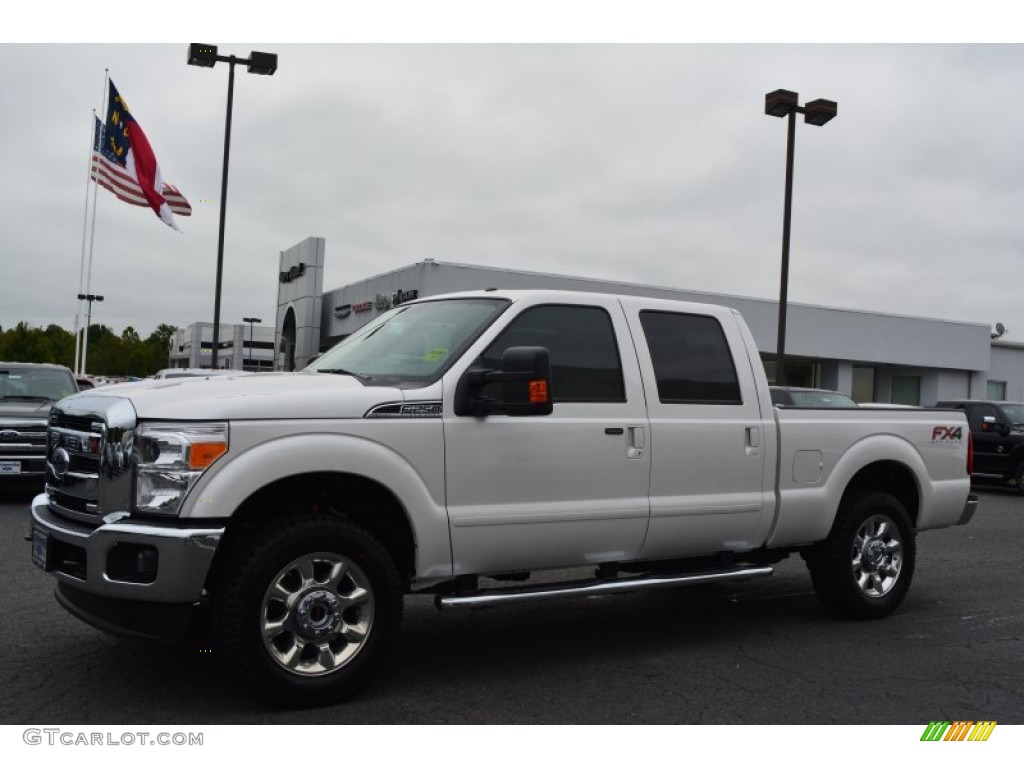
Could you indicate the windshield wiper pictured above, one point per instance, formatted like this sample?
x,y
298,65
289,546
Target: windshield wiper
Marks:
x,y
30,397
343,372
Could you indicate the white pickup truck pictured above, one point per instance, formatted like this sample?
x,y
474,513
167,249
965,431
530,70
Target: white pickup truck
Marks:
x,y
457,445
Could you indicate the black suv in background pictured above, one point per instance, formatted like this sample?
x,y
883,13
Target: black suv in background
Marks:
x,y
27,390
998,431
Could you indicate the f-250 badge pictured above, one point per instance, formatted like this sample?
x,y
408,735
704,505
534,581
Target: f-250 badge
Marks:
x,y
947,434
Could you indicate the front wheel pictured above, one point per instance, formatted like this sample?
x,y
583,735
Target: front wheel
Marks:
x,y
304,609
864,568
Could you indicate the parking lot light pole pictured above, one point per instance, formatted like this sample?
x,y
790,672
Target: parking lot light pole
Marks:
x,y
783,103
250,321
89,297
202,55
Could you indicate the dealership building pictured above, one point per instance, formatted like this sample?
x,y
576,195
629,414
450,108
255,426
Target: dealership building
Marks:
x,y
871,356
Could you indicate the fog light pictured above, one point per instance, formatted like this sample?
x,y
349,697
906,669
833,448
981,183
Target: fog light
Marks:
x,y
133,563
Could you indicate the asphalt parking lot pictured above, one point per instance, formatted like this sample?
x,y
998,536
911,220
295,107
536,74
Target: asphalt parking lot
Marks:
x,y
761,652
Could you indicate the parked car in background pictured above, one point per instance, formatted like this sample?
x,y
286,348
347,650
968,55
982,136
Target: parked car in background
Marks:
x,y
806,397
997,427
1013,411
27,390
886,405
183,373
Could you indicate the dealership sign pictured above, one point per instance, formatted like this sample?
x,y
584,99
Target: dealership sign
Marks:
x,y
293,272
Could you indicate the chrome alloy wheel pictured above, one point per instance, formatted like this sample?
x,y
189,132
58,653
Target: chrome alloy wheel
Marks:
x,y
317,614
877,556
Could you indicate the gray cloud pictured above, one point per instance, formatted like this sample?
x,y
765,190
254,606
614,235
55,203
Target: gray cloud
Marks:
x,y
645,163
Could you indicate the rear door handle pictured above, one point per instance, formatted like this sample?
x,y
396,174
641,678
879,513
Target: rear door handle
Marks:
x,y
637,443
753,440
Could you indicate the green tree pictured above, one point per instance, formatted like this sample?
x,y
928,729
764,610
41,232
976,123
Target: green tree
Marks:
x,y
158,347
62,343
109,354
24,344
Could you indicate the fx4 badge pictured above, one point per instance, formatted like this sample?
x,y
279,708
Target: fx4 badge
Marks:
x,y
947,434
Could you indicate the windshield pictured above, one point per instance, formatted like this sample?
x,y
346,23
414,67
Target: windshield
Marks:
x,y
1014,412
35,384
412,343
812,399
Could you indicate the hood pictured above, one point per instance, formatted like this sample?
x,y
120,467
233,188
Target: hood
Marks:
x,y
248,396
14,410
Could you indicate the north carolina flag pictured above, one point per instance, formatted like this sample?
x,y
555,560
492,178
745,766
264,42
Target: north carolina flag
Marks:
x,y
123,162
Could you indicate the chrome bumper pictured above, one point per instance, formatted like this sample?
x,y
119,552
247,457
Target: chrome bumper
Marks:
x,y
969,509
83,555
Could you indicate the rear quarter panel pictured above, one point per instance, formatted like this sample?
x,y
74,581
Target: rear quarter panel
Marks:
x,y
821,451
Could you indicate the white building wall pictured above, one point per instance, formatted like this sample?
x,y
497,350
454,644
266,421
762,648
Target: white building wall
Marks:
x,y
1008,366
300,293
952,359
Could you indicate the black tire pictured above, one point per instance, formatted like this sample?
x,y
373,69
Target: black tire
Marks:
x,y
1018,477
864,568
304,609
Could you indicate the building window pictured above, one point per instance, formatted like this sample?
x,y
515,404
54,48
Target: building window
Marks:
x,y
863,384
906,390
799,372
996,390
692,361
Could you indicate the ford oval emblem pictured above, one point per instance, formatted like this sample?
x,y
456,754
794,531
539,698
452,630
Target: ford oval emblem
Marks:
x,y
60,462
9,434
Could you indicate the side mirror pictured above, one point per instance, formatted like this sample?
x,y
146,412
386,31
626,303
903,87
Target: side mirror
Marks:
x,y
525,379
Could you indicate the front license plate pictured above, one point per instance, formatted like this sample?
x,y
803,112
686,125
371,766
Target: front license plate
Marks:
x,y
40,548
10,467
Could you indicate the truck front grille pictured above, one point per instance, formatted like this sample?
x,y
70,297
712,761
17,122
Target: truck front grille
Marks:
x,y
90,456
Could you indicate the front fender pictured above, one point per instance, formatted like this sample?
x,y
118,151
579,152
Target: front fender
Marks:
x,y
247,469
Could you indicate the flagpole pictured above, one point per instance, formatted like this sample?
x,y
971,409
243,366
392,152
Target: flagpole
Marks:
x,y
92,234
85,230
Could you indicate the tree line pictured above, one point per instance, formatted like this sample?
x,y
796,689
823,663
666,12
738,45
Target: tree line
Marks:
x,y
109,354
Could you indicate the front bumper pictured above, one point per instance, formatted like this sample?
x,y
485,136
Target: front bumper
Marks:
x,y
94,565
31,466
970,507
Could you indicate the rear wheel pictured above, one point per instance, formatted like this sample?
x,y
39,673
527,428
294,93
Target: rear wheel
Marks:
x,y
304,609
864,568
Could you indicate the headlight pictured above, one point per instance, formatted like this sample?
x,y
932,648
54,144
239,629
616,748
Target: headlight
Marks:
x,y
170,459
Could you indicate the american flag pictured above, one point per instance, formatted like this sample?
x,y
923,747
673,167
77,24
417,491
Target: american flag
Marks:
x,y
124,163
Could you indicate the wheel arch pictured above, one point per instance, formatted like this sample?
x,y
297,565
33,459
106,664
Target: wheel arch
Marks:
x,y
888,476
365,480
359,499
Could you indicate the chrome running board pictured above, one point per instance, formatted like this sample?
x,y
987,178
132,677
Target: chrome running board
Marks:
x,y
592,587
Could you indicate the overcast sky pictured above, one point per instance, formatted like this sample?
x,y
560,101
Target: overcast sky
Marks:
x,y
644,163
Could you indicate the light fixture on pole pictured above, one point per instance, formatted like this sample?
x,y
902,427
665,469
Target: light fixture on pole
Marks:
x,y
783,103
250,321
89,297
201,55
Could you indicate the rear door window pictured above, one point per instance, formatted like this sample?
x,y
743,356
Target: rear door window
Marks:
x,y
691,357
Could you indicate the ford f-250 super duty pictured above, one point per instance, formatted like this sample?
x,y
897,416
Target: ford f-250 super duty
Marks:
x,y
489,434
